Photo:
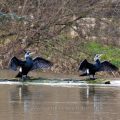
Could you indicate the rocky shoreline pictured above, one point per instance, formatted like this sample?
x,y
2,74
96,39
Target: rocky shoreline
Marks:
x,y
10,75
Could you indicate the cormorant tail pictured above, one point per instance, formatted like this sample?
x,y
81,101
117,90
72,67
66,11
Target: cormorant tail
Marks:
x,y
19,75
84,74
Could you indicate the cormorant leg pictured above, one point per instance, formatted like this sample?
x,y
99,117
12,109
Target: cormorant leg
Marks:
x,y
24,77
90,77
93,77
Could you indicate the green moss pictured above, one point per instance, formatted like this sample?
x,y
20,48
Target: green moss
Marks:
x,y
110,53
97,81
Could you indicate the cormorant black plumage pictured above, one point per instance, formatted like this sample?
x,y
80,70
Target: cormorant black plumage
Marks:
x,y
90,69
28,65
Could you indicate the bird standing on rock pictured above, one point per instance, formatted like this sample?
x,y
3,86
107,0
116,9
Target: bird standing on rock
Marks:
x,y
90,69
28,65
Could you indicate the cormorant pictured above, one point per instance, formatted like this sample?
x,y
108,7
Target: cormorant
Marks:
x,y
28,65
90,69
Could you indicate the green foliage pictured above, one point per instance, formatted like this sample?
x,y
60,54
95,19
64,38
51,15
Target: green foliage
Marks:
x,y
110,53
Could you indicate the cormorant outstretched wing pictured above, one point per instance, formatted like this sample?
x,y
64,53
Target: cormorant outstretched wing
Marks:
x,y
40,62
85,65
14,63
107,66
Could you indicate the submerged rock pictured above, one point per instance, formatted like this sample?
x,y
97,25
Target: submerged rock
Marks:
x,y
107,82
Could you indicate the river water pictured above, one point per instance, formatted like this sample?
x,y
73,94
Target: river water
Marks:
x,y
20,101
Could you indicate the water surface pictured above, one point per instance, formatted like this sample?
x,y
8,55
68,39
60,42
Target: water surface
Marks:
x,y
45,102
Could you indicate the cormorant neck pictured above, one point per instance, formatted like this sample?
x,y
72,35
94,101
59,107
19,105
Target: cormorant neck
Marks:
x,y
28,58
97,61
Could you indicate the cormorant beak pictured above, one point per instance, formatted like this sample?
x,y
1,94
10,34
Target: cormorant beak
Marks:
x,y
100,55
32,53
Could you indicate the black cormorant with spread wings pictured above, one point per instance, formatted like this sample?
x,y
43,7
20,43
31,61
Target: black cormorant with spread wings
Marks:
x,y
28,65
90,69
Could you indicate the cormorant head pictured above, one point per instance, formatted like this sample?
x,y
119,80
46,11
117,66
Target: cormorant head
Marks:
x,y
97,57
27,54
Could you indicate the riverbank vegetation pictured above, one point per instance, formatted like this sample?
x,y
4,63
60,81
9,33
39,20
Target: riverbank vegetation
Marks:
x,y
66,32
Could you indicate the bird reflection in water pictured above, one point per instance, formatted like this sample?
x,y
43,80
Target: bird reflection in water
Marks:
x,y
94,97
20,93
20,98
